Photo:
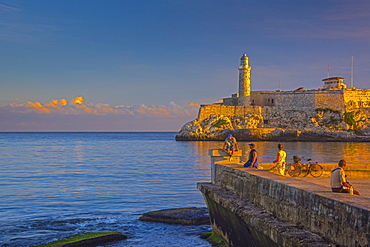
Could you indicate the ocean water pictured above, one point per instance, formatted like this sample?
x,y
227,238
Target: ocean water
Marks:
x,y
54,185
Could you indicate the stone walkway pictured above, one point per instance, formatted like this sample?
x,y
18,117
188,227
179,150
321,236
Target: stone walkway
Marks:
x,y
322,186
318,185
362,185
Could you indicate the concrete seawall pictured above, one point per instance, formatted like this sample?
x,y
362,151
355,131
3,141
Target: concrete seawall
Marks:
x,y
250,207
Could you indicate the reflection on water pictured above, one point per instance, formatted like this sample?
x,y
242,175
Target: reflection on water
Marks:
x,y
324,152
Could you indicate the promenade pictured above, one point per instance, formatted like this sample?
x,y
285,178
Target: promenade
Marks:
x,y
362,185
252,207
320,186
359,179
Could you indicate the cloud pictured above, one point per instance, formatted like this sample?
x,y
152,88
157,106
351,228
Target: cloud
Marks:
x,y
7,8
38,107
78,107
78,100
74,115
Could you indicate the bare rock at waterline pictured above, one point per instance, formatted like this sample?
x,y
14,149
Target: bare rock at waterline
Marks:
x,y
183,216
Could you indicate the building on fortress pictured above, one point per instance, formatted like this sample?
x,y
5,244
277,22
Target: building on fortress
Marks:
x,y
334,95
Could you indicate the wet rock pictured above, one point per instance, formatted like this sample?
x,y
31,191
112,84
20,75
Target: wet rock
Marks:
x,y
183,216
87,239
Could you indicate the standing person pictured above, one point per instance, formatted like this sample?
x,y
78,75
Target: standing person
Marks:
x,y
338,181
252,157
230,145
280,159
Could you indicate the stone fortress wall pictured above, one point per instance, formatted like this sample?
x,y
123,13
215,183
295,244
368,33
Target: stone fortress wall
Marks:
x,y
205,111
357,98
333,99
333,95
302,100
310,100
347,99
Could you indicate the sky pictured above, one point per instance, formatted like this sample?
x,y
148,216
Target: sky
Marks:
x,y
147,65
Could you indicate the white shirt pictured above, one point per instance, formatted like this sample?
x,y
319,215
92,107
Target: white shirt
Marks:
x,y
337,177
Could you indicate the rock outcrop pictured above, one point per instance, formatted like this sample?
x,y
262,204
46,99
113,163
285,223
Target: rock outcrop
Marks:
x,y
182,216
281,124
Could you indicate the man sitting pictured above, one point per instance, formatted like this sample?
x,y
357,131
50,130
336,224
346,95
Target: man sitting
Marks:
x,y
338,180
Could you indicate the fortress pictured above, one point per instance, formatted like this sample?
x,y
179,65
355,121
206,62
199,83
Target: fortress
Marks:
x,y
334,112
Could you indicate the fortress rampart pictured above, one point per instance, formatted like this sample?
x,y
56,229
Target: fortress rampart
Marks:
x,y
357,98
206,111
303,100
310,100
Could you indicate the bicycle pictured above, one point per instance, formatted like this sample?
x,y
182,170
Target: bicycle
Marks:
x,y
313,168
294,170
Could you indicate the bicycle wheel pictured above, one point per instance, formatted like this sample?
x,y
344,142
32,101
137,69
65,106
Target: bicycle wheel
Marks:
x,y
316,170
305,170
294,170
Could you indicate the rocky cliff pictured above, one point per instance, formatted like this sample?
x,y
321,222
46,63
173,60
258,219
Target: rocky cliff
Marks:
x,y
271,123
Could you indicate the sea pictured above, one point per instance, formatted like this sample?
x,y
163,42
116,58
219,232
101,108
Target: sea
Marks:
x,y
57,184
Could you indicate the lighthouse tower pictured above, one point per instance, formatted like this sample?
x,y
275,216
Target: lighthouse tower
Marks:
x,y
244,81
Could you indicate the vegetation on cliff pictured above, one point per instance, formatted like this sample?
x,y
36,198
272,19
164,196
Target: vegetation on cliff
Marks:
x,y
214,239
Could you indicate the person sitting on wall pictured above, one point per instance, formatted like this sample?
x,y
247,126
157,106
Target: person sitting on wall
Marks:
x,y
338,181
252,157
230,145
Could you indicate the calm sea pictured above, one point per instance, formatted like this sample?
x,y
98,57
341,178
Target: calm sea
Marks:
x,y
55,185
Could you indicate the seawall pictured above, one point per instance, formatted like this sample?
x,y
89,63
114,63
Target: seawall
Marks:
x,y
250,207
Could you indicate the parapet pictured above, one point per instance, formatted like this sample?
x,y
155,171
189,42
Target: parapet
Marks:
x,y
220,156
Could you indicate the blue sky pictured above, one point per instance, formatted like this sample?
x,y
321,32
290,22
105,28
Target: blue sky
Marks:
x,y
139,64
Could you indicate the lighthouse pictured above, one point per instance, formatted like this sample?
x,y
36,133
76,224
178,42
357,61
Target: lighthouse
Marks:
x,y
244,81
